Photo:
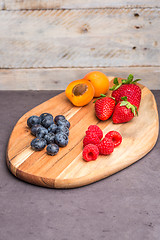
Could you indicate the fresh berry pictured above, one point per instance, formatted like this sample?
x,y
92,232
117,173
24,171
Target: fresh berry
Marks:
x,y
64,123
124,111
49,137
127,88
61,139
106,146
59,117
104,107
91,138
33,120
38,144
115,137
52,149
41,132
95,129
90,152
35,128
52,128
47,122
62,129
46,116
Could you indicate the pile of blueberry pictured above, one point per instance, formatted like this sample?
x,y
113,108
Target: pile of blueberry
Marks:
x,y
48,131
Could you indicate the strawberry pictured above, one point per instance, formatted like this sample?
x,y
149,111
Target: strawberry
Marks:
x,y
127,88
124,111
104,107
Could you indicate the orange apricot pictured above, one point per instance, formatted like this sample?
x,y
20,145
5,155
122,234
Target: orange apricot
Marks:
x,y
80,92
99,81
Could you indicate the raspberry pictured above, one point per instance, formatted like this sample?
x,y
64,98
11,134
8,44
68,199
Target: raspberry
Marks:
x,y
91,138
90,152
115,137
95,129
106,146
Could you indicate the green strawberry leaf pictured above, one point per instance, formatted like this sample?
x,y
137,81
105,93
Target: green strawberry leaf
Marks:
x,y
136,80
113,98
124,81
129,105
116,87
123,103
133,109
130,78
115,81
113,88
124,98
102,96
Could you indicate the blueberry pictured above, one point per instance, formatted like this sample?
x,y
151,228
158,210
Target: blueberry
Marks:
x,y
62,129
61,139
46,122
35,128
41,132
33,120
49,137
59,117
64,122
38,144
52,128
52,149
46,116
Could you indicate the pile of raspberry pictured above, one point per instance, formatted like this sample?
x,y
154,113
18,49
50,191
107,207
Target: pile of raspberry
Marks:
x,y
94,145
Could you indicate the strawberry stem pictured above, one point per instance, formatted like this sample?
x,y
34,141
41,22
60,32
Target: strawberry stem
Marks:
x,y
129,80
102,96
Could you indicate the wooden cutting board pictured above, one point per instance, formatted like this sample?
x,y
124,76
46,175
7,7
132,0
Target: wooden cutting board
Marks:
x,y
67,169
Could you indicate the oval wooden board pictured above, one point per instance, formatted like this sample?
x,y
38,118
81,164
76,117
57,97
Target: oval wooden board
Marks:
x,y
67,169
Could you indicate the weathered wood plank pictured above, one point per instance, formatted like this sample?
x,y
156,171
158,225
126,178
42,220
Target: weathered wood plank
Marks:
x,y
79,38
2,5
58,79
72,4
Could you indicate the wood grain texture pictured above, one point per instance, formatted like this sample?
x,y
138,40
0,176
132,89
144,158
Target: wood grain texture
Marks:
x,y
71,4
2,5
67,169
59,78
80,38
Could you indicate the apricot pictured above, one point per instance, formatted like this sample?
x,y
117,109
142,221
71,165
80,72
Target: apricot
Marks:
x,y
99,81
80,92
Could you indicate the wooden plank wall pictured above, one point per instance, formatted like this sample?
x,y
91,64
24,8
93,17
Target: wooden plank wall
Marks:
x,y
72,4
47,44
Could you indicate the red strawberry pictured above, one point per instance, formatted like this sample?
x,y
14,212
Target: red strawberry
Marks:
x,y
104,107
127,88
124,111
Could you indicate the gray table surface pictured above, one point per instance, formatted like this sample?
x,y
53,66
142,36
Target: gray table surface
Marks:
x,y
123,206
